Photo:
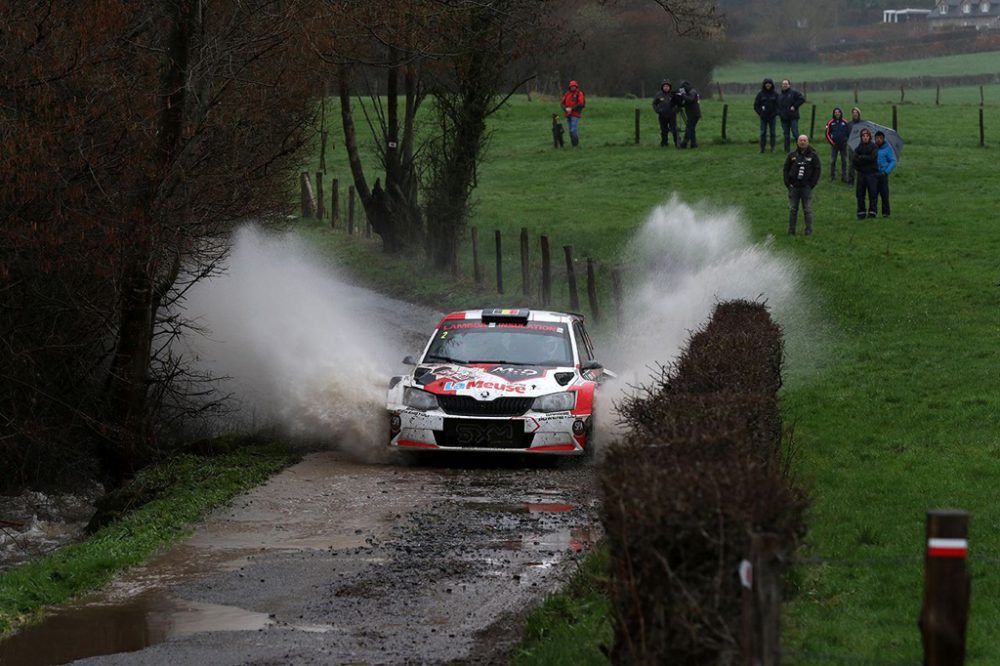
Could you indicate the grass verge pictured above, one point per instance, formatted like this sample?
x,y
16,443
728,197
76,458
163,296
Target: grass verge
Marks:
x,y
572,627
194,485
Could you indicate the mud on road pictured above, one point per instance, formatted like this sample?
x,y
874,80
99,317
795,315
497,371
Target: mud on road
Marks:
x,y
338,562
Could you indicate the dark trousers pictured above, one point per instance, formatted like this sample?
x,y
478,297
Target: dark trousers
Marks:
x,y
797,195
883,192
866,184
668,128
689,132
766,123
790,127
842,151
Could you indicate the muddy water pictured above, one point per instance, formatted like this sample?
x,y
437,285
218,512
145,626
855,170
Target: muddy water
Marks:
x,y
334,561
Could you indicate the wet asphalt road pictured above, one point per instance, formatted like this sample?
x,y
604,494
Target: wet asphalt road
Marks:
x,y
339,562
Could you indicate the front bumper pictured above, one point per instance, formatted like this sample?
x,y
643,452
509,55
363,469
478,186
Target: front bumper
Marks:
x,y
559,433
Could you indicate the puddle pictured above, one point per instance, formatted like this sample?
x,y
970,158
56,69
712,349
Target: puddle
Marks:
x,y
92,629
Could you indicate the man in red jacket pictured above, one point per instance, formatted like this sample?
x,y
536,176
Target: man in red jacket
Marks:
x,y
573,102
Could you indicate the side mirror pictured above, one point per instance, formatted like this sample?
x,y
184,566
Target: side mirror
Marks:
x,y
591,365
409,360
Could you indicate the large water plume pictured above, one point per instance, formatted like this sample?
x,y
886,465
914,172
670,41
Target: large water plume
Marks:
x,y
684,259
297,346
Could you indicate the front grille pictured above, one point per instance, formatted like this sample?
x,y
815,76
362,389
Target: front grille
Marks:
x,y
483,434
466,405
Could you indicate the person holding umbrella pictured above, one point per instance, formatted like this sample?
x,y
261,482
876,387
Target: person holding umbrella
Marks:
x,y
886,161
866,171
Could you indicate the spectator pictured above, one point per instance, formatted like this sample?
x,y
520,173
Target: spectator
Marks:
x,y
665,105
885,159
866,167
801,173
573,102
855,119
837,132
692,113
557,132
790,101
766,106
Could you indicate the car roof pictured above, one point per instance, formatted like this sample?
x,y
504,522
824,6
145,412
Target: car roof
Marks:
x,y
533,316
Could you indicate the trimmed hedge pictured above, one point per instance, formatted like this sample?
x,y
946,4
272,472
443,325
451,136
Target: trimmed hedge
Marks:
x,y
700,472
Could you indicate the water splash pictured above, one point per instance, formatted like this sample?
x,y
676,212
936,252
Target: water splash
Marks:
x,y
297,345
689,258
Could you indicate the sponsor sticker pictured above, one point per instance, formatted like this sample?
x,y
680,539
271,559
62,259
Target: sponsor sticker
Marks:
x,y
479,384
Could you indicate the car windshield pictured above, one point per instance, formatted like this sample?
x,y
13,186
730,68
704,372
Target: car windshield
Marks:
x,y
472,341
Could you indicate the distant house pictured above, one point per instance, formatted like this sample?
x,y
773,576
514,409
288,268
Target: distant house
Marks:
x,y
978,14
903,15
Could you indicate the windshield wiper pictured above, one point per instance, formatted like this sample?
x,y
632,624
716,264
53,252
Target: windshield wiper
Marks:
x,y
443,359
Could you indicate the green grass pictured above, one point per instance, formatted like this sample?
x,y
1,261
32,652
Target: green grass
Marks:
x,y
195,485
898,412
573,627
953,65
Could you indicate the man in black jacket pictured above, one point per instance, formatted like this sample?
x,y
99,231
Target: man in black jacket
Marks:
x,y
801,173
665,105
866,167
692,113
766,106
790,101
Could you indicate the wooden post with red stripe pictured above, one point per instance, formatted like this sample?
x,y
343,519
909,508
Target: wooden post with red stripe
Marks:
x,y
945,612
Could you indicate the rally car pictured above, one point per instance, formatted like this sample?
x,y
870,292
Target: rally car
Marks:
x,y
499,380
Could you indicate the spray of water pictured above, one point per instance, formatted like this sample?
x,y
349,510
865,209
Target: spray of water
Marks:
x,y
688,258
297,346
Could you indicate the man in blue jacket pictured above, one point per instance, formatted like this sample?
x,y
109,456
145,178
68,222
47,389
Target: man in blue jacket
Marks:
x,y
766,106
886,159
837,132
790,101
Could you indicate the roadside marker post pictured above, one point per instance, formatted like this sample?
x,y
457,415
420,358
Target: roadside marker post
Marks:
x,y
945,612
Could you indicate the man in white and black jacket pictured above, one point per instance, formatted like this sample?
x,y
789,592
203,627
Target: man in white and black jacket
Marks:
x,y
801,173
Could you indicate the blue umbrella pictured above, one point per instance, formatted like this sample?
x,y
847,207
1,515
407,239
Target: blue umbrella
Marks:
x,y
891,136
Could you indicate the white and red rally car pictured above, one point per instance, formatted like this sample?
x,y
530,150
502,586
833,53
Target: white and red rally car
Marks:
x,y
499,380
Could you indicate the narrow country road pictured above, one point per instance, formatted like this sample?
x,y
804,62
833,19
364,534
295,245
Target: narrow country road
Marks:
x,y
336,562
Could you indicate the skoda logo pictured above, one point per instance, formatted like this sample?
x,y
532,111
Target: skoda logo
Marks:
x,y
484,394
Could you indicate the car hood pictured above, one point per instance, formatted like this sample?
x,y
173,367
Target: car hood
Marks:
x,y
491,381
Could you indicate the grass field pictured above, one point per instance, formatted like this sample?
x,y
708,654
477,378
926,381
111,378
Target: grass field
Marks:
x,y
953,65
900,412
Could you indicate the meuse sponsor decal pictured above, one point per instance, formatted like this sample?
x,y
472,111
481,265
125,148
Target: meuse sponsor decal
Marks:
x,y
479,384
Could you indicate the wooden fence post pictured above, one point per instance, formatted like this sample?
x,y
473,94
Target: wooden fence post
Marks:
x,y
334,203
902,93
350,210
982,98
595,310
499,264
982,130
477,272
937,96
574,297
637,120
616,290
525,267
812,123
546,271
320,198
761,582
308,200
855,92
725,115
721,98
945,613
895,124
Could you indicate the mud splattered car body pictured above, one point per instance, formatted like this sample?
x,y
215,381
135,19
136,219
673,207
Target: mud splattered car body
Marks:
x,y
499,380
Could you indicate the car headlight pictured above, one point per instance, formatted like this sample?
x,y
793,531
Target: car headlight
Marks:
x,y
417,399
555,402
